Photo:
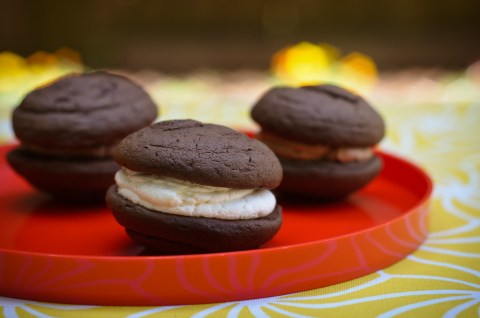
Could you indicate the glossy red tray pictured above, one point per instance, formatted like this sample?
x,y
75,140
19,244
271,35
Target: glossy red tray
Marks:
x,y
78,254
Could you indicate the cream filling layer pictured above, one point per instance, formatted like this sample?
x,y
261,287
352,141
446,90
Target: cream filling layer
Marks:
x,y
296,150
170,195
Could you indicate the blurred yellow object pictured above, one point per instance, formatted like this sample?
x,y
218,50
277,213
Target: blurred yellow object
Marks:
x,y
68,54
19,75
42,58
302,64
309,64
13,68
358,71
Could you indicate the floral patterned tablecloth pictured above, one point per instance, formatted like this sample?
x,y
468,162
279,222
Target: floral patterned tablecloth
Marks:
x,y
442,278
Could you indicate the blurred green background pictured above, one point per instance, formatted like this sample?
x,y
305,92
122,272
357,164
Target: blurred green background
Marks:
x,y
182,35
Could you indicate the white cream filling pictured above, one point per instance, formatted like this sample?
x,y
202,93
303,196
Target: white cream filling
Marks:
x,y
170,195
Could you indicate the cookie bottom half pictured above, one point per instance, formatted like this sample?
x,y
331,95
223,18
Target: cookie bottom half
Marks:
x,y
176,234
79,179
326,180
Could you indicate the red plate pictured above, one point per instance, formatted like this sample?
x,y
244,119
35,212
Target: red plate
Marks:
x,y
76,254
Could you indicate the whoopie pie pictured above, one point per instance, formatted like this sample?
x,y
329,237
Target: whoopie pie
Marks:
x,y
324,137
189,187
68,129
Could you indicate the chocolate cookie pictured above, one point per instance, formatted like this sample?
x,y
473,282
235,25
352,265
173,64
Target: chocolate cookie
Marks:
x,y
189,187
314,179
202,153
83,111
324,114
324,136
66,178
69,128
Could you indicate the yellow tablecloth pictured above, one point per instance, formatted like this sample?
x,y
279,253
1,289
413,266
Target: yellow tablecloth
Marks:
x,y
442,278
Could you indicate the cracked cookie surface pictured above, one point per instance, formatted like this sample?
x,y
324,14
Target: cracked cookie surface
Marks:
x,y
324,114
206,154
83,110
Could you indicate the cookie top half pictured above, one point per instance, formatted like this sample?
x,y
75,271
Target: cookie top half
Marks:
x,y
205,154
323,114
83,110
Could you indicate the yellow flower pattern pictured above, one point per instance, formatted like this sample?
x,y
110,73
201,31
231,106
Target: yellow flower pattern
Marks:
x,y
442,278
